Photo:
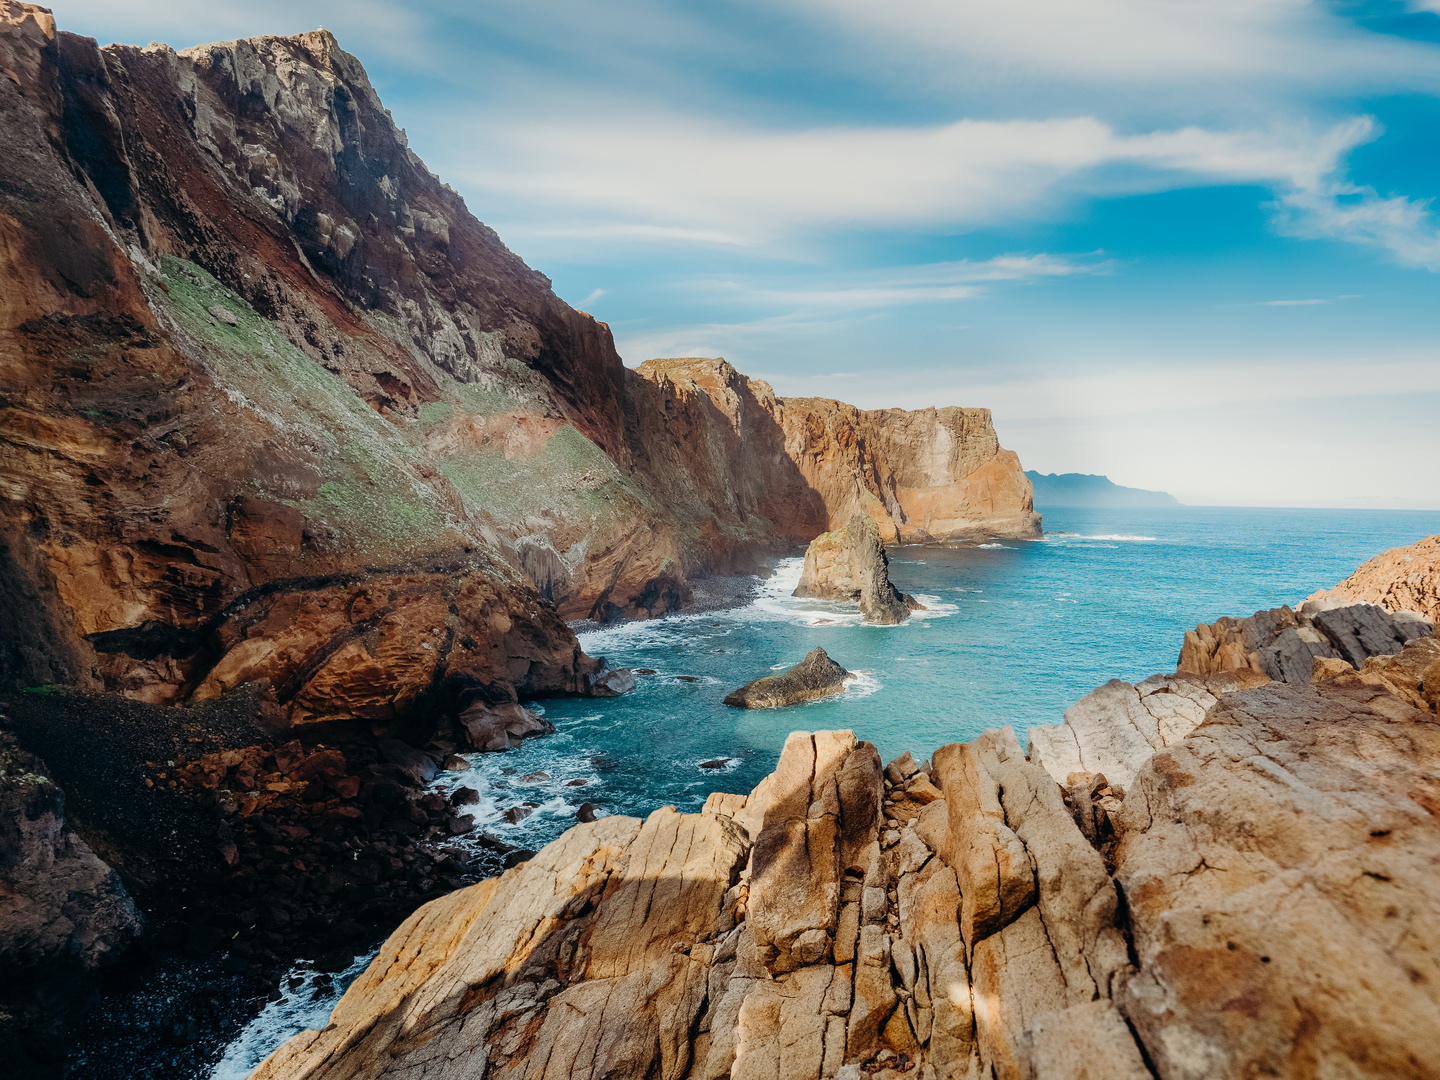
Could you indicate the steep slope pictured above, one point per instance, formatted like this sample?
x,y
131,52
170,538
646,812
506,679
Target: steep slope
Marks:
x,y
276,406
1401,579
208,472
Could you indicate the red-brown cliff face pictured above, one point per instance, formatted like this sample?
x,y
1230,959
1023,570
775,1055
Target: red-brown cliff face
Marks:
x,y
275,407
224,286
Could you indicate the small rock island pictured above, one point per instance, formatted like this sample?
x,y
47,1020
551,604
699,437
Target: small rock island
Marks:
x,y
851,564
814,677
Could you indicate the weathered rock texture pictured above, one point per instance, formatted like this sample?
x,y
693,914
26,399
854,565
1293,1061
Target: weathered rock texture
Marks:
x,y
814,677
1282,644
277,407
850,564
63,913
1276,856
933,475
1401,579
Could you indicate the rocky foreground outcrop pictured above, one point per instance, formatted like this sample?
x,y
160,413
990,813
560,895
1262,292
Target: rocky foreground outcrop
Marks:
x,y
850,564
1401,579
1258,899
816,676
1283,644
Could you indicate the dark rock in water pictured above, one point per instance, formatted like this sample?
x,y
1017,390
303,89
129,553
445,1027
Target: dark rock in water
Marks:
x,y
613,683
851,564
687,678
586,812
816,676
416,764
517,814
455,763
535,777
460,823
502,726
335,961
494,843
576,783
716,763
604,763
642,671
464,796
518,856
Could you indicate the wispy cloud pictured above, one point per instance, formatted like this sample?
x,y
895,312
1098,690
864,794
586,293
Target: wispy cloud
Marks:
x,y
928,284
674,175
596,295
1334,209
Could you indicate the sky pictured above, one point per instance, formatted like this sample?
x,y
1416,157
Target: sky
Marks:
x,y
1189,244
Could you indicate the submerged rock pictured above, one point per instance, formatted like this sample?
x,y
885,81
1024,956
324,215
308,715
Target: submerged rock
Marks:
x,y
850,564
816,676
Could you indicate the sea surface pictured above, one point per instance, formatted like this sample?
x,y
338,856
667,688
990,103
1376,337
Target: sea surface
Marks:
x,y
1014,632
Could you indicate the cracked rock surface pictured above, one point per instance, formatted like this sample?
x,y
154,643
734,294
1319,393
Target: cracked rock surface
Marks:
x,y
1256,898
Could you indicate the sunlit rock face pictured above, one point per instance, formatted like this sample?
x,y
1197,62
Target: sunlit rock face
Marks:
x,y
961,919
278,408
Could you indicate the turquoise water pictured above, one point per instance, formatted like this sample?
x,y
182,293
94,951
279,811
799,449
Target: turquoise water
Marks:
x,y
1015,633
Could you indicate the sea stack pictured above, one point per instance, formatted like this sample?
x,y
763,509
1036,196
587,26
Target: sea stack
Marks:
x,y
814,677
851,564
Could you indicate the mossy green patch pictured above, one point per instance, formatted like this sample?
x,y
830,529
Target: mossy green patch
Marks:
x,y
368,492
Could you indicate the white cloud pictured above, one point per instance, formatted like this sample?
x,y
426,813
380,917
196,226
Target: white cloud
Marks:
x,y
1337,210
1223,45
666,176
932,283
596,295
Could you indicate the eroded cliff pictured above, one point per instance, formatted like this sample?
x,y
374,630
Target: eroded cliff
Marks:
x,y
277,407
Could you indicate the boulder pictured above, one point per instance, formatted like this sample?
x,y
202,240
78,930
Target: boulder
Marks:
x,y
501,726
64,914
814,677
613,683
850,564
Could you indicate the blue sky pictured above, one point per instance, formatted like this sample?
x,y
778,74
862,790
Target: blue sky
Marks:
x,y
1186,243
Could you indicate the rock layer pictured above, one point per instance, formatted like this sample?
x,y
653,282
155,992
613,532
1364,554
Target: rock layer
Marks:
x,y
850,564
1283,644
63,913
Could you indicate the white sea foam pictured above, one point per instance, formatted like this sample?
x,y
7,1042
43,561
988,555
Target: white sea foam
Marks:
x,y
860,684
1002,547
1116,536
306,1007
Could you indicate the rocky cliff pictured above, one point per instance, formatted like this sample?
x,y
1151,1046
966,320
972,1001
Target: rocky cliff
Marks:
x,y
1229,910
1401,579
276,406
850,564
1388,602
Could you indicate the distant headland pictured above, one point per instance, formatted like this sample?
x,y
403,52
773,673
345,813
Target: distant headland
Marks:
x,y
1085,489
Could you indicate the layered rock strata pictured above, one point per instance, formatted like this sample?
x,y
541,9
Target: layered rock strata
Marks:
x,y
257,357
816,676
956,921
850,564
811,464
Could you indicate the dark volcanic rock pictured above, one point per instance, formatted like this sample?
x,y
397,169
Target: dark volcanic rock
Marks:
x,y
816,676
850,564
63,912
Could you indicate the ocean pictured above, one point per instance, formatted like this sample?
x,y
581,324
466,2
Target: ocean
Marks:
x,y
1014,632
